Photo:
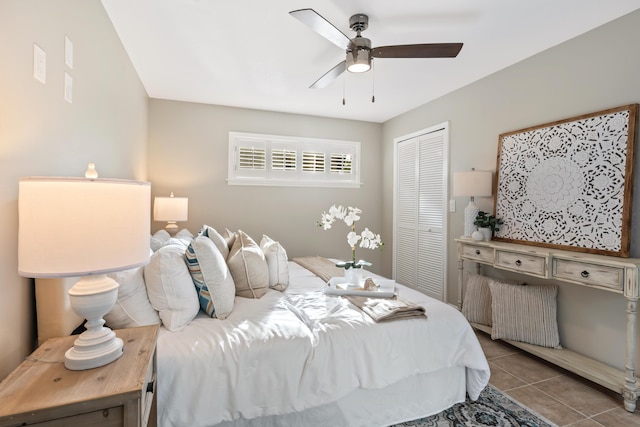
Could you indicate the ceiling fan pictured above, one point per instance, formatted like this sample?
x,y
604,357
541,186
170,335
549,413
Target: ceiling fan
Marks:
x,y
358,49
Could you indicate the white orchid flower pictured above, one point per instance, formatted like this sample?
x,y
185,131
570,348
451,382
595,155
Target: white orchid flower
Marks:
x,y
352,216
337,212
376,242
353,238
325,221
369,240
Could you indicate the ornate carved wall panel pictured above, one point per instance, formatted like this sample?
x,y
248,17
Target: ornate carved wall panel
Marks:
x,y
569,184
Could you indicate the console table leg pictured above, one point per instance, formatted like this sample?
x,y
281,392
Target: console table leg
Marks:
x,y
460,281
631,392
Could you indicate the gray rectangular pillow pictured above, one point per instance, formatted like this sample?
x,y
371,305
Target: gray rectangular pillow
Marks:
x,y
476,306
525,313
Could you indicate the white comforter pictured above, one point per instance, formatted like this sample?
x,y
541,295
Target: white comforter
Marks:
x,y
299,349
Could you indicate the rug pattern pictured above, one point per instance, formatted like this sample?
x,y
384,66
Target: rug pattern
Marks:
x,y
492,409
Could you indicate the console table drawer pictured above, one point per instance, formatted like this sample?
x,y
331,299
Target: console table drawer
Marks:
x,y
479,253
525,263
582,272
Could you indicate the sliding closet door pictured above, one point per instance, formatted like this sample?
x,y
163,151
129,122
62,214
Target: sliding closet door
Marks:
x,y
420,214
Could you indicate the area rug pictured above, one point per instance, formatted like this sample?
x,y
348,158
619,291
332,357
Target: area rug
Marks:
x,y
491,409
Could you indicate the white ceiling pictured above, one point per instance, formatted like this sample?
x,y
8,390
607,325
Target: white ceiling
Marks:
x,y
253,54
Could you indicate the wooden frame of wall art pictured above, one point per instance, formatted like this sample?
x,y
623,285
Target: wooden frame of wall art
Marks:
x,y
569,184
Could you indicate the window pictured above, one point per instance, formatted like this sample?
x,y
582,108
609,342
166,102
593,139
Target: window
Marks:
x,y
313,161
283,159
341,163
252,158
256,159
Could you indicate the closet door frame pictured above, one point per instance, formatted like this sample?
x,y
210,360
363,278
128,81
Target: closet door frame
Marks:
x,y
444,127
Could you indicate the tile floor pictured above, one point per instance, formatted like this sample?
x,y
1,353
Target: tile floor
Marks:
x,y
554,393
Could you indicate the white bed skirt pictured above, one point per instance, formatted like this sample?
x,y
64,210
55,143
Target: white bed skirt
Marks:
x,y
412,398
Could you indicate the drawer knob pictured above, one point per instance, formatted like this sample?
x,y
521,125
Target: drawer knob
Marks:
x,y
585,274
518,263
477,251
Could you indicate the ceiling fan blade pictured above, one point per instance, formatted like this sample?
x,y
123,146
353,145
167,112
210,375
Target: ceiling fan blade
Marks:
x,y
329,76
326,29
429,50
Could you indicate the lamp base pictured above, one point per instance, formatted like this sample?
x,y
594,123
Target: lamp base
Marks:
x,y
470,213
92,297
90,352
172,228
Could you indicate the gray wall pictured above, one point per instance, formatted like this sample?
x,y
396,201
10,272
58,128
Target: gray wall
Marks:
x,y
592,72
188,148
42,134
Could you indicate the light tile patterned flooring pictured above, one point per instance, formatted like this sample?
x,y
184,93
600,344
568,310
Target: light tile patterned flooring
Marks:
x,y
556,394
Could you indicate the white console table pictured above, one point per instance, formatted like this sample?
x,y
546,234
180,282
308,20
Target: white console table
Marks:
x,y
612,274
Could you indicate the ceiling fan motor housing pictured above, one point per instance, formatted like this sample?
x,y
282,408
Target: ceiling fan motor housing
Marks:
x,y
359,55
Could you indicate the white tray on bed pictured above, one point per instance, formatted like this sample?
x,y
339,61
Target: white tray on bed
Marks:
x,y
339,286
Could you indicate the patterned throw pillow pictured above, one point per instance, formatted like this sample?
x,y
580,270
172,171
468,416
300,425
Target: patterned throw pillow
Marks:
x,y
211,277
525,313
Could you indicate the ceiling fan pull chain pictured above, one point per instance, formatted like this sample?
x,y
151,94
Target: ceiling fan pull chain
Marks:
x,y
373,83
344,84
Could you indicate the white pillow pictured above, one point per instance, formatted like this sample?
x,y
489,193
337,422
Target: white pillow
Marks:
x,y
229,237
159,238
184,236
170,287
216,238
248,267
211,276
277,262
132,307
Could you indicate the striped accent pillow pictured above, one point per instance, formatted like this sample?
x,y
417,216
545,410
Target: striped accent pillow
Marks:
x,y
525,313
476,306
211,277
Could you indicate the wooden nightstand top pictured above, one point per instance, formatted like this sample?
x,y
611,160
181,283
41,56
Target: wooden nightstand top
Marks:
x,y
42,383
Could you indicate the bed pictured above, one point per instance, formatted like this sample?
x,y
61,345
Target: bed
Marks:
x,y
299,356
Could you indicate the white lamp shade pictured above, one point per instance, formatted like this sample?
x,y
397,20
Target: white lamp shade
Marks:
x,y
171,208
472,183
76,226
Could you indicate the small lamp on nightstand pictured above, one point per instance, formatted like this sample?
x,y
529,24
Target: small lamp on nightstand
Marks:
x,y
171,209
471,183
88,227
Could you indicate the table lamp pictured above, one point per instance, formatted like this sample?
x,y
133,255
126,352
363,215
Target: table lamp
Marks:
x,y
471,183
88,227
171,209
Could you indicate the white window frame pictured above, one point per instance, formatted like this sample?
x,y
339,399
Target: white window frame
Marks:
x,y
295,175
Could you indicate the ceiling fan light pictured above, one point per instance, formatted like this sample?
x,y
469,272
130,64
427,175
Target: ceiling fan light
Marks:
x,y
359,61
